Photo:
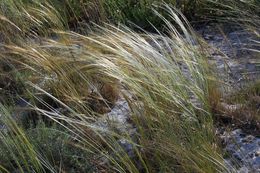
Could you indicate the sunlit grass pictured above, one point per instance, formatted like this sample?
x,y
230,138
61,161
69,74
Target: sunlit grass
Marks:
x,y
73,80
164,80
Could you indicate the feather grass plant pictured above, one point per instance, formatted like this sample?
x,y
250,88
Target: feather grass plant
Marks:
x,y
163,78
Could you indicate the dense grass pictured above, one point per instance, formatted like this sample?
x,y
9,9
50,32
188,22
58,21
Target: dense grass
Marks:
x,y
39,16
165,115
72,79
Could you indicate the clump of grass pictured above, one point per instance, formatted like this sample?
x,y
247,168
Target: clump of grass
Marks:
x,y
163,78
41,149
16,151
242,108
73,78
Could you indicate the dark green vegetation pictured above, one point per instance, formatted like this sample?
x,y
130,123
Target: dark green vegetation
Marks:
x,y
60,74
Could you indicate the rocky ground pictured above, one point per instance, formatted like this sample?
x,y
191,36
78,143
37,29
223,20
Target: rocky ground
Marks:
x,y
234,54
243,151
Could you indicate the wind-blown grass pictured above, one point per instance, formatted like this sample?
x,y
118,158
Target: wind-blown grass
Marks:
x,y
164,79
20,19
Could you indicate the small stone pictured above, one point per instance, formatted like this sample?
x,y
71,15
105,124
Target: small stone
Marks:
x,y
257,153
